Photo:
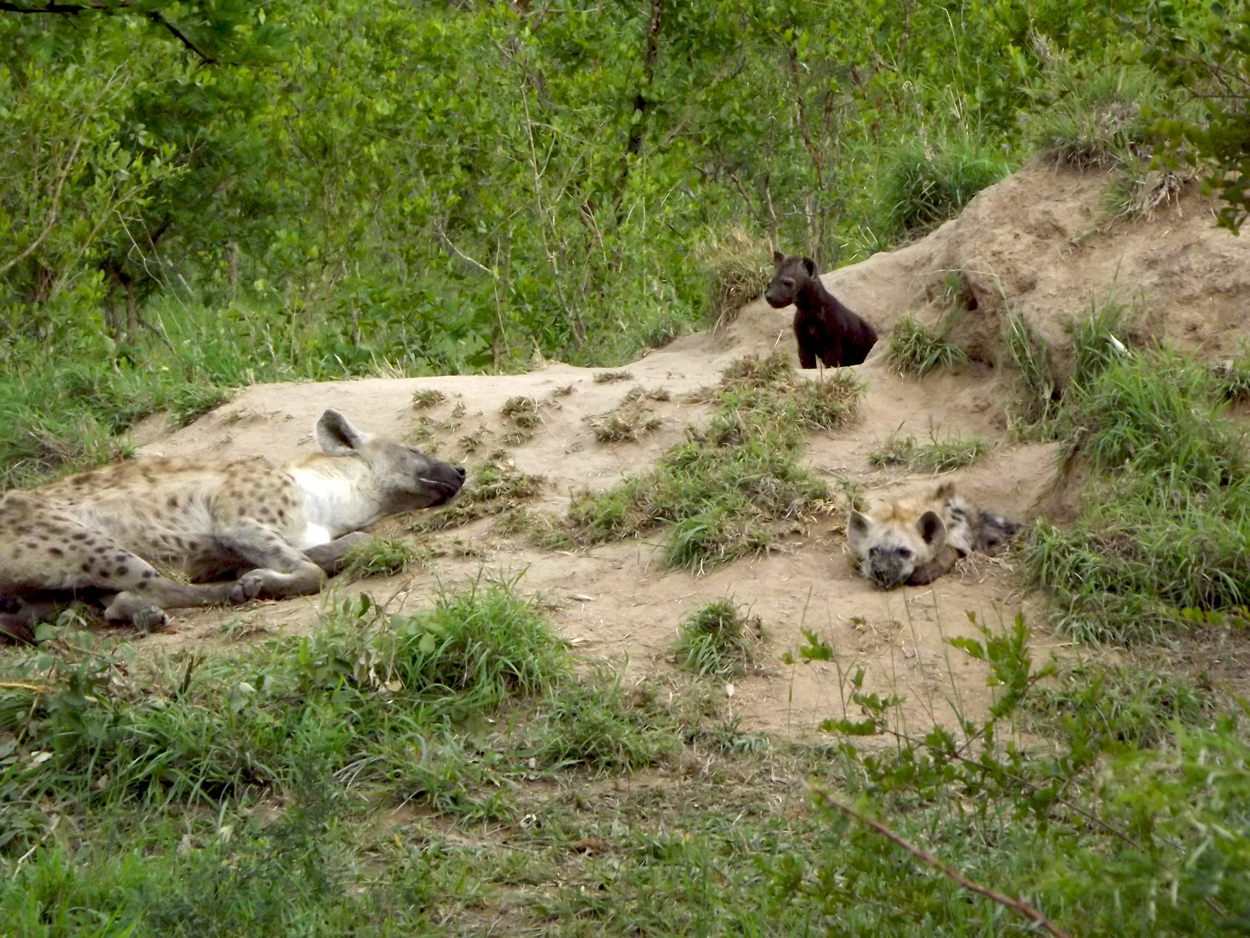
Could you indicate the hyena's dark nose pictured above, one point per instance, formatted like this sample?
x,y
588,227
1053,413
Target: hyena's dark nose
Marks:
x,y
459,471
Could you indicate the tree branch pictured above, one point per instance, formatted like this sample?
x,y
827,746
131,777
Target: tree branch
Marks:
x,y
652,54
53,213
804,131
66,9
156,17
452,249
1016,905
100,6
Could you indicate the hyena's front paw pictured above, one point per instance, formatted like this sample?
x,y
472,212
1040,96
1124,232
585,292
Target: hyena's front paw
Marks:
x,y
142,613
249,586
151,619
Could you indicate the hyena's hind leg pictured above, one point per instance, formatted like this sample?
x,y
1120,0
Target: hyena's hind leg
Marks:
x,y
144,599
81,560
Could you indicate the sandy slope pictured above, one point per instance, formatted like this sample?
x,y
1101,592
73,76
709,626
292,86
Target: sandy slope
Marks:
x,y
1033,243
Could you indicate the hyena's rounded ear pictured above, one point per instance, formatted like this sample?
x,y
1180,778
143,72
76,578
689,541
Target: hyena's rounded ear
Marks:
x,y
778,257
932,529
810,266
336,436
857,527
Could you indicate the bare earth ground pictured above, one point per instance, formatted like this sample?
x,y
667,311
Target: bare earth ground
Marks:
x,y
1034,243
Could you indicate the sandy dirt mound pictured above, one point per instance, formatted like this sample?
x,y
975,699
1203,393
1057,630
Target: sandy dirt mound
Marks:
x,y
1035,243
1040,244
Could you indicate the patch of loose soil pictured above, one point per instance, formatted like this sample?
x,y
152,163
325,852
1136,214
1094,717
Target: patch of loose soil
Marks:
x,y
1033,243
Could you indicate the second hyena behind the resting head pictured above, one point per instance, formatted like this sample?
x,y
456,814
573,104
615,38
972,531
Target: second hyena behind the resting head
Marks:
x,y
279,530
916,541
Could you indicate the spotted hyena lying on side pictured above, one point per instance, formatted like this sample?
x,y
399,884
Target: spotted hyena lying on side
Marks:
x,y
237,531
916,541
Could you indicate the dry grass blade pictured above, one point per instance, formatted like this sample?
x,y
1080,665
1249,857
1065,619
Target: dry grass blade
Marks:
x,y
1016,905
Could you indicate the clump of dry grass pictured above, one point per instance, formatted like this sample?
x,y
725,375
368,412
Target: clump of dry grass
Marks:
x,y
738,269
632,419
495,486
625,426
754,372
639,393
522,411
427,397
605,377
1136,194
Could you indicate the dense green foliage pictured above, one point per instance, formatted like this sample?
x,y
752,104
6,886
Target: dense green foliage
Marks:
x,y
1204,49
1134,852
201,196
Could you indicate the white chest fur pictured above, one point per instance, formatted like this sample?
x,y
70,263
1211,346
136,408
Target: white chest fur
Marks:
x,y
334,505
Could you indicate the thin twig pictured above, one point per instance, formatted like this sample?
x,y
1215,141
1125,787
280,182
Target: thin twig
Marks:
x,y
54,212
447,243
156,17
1022,908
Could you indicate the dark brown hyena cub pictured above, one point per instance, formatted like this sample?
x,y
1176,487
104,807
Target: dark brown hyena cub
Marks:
x,y
824,327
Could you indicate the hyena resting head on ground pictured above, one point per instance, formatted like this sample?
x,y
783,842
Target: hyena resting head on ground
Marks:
x,y
916,541
101,535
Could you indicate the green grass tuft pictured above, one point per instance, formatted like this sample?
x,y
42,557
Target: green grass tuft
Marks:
x,y
713,536
1161,534
1041,392
1097,118
379,557
424,398
596,726
479,648
916,350
718,640
1099,340
923,186
934,456
720,489
1160,416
